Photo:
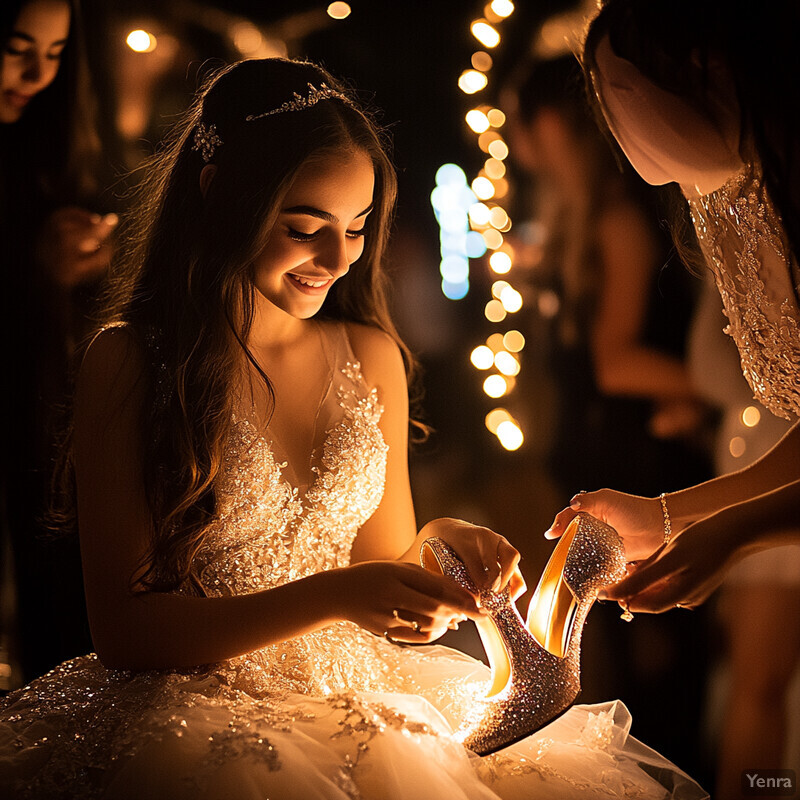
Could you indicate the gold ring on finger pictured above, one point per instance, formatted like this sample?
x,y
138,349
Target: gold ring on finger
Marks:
x,y
403,621
389,638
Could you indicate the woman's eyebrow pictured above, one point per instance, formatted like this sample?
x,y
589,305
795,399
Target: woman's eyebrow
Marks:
x,y
320,214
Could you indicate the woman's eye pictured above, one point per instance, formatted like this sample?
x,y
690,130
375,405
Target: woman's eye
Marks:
x,y
13,51
356,234
299,236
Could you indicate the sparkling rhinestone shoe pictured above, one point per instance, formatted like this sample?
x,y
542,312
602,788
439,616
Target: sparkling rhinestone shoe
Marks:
x,y
535,664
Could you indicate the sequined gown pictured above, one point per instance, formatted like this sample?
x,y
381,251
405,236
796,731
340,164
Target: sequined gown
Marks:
x,y
338,713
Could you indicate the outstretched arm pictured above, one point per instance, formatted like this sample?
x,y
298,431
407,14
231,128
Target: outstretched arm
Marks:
x,y
151,630
640,522
694,564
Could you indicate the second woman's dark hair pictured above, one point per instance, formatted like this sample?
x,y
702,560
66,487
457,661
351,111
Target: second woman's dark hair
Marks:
x,y
672,43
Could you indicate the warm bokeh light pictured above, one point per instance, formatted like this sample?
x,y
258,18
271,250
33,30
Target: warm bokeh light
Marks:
x,y
483,188
497,149
498,287
481,60
737,446
479,214
495,417
548,304
495,342
472,81
485,33
494,169
511,300
477,120
496,118
339,10
247,39
506,363
500,187
498,218
495,386
513,341
493,239
503,8
482,357
143,42
500,262
751,416
494,311
486,138
510,435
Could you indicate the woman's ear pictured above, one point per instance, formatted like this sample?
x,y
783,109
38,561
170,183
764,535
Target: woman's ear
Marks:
x,y
206,176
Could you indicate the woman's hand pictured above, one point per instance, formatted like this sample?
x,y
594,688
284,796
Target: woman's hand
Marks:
x,y
681,574
74,245
638,520
402,600
490,560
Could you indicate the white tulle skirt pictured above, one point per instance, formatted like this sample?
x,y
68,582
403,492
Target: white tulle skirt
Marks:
x,y
86,732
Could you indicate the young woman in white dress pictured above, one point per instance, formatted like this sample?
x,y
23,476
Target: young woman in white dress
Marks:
x,y
250,550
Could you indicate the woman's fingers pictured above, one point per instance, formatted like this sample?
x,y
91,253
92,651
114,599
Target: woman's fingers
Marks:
x,y
508,559
645,575
440,597
517,585
407,635
562,519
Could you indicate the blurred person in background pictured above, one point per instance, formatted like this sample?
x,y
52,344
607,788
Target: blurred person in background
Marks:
x,y
759,601
56,246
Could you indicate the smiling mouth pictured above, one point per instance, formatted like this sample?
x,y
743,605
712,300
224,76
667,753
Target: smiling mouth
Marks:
x,y
309,282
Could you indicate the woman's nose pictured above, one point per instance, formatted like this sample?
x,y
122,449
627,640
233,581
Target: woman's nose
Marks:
x,y
33,68
335,258
39,71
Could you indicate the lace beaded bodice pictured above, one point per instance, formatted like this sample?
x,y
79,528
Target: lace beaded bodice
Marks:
x,y
269,532
743,241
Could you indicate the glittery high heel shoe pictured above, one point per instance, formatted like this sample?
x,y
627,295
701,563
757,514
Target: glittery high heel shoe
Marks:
x,y
535,664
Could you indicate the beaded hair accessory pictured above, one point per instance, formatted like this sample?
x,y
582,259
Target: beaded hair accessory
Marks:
x,y
206,141
300,103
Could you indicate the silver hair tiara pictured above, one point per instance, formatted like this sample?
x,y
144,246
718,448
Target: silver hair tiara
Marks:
x,y
300,103
206,140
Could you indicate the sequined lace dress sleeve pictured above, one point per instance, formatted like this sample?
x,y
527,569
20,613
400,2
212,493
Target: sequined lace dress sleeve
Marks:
x,y
338,713
742,238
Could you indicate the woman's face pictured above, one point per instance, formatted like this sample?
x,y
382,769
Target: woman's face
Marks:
x,y
665,137
32,55
318,235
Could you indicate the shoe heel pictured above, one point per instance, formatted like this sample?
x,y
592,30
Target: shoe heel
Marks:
x,y
535,664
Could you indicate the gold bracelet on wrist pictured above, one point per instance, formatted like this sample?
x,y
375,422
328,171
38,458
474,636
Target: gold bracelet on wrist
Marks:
x,y
667,520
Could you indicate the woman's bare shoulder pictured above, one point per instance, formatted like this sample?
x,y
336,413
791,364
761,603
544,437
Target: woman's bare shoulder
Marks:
x,y
112,369
378,353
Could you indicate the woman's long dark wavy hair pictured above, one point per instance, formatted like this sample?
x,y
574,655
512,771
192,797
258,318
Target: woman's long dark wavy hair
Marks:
x,y
672,43
183,284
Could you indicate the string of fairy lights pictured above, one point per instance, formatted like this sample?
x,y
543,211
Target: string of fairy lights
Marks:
x,y
467,211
